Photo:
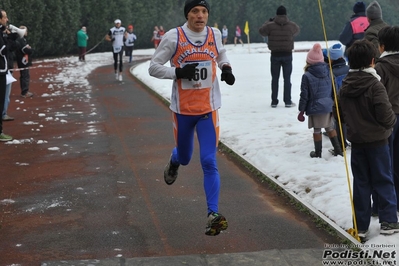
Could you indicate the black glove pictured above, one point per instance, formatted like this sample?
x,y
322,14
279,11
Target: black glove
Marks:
x,y
227,75
113,39
186,72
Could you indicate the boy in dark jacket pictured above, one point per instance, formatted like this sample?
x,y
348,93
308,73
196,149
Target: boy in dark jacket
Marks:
x,y
368,115
387,66
24,61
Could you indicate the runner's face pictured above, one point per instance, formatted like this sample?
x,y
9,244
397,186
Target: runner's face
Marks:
x,y
197,18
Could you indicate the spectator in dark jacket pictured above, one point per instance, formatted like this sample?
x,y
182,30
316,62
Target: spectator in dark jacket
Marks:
x,y
355,27
11,48
387,67
368,115
374,15
24,61
280,32
4,53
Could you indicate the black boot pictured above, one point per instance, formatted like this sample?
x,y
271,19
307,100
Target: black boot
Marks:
x,y
337,147
317,146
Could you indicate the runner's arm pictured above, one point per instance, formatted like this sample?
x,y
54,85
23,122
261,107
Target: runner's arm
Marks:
x,y
163,54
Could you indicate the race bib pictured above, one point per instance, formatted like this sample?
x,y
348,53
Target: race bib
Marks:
x,y
117,49
202,78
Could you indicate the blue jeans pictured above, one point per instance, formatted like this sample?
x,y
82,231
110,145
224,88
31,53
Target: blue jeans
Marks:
x,y
3,84
371,168
394,153
207,128
276,62
7,99
394,149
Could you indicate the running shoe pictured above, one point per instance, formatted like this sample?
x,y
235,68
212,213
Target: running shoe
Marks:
x,y
389,228
216,223
170,172
7,118
27,95
363,235
5,138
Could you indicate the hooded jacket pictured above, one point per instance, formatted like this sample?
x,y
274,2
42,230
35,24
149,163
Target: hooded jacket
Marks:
x,y
366,110
281,32
371,33
387,67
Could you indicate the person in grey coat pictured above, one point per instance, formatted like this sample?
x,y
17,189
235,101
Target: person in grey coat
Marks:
x,y
374,15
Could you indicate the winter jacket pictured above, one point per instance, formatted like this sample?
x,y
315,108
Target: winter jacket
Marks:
x,y
340,70
23,53
366,110
354,29
12,46
3,51
371,33
387,67
315,97
281,32
82,38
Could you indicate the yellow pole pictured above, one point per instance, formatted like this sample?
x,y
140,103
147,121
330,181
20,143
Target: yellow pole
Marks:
x,y
246,30
353,232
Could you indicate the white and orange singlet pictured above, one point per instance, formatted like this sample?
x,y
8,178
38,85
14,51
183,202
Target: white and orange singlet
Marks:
x,y
201,94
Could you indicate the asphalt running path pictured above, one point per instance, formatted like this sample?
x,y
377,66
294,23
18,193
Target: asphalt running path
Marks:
x,y
86,182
